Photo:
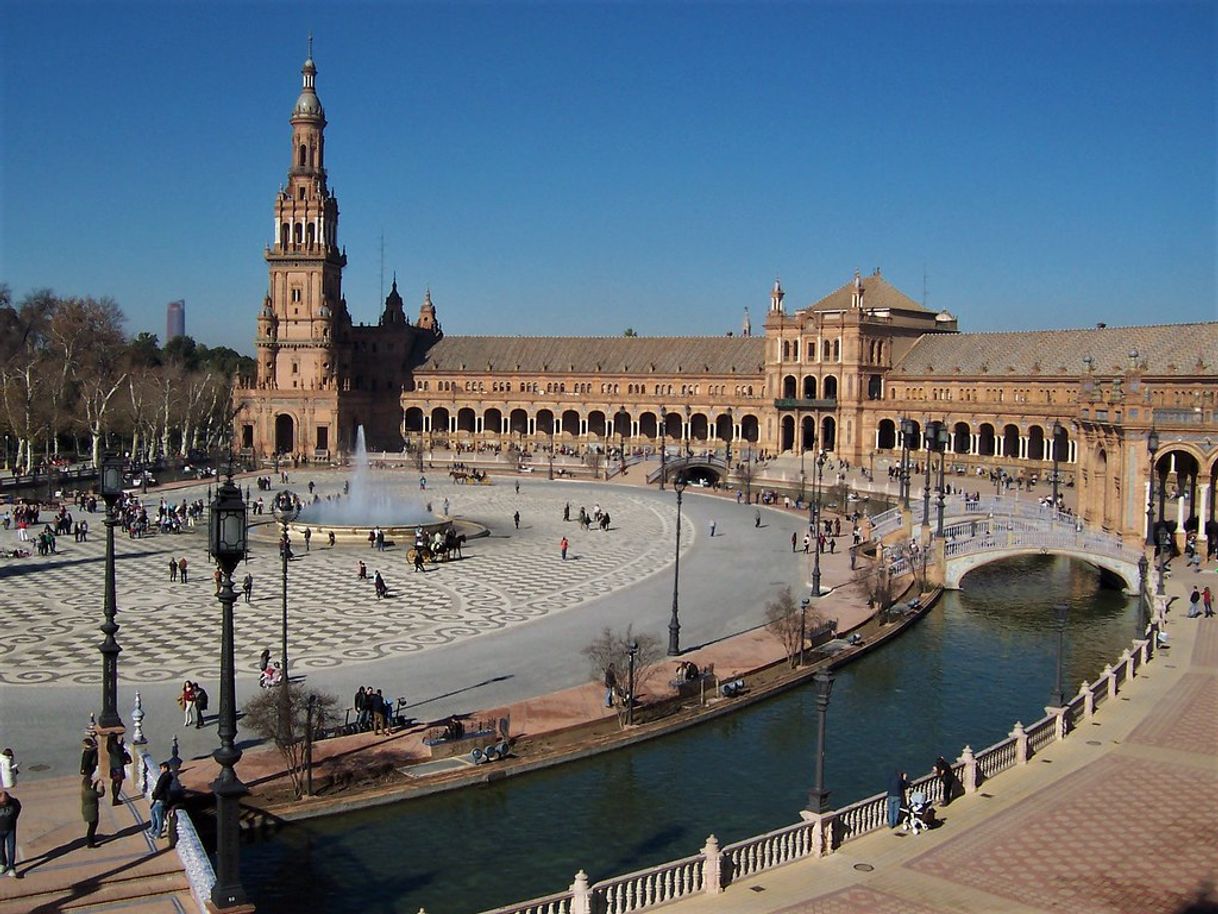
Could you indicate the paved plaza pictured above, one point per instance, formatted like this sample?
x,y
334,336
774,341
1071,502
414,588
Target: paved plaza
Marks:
x,y
452,638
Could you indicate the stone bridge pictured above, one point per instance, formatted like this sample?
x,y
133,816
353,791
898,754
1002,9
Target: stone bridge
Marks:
x,y
710,468
994,528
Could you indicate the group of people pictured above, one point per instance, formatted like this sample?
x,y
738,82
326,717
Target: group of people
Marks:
x,y
193,701
1200,603
373,710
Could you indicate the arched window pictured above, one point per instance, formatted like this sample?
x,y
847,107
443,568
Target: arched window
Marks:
x,y
303,154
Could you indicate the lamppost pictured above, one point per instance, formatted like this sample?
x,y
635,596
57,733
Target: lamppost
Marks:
x,y
801,471
623,418
1057,430
906,434
1143,597
803,628
228,544
632,650
1152,445
928,445
941,436
731,431
551,449
1061,611
817,492
1164,540
689,452
674,624
286,509
818,800
663,447
111,489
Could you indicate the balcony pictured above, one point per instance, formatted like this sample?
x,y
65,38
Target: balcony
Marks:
x,y
792,403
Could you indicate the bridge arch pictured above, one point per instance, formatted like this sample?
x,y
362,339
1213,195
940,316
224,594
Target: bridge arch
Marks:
x,y
958,568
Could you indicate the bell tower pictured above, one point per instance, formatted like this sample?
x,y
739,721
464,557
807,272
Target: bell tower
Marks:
x,y
305,316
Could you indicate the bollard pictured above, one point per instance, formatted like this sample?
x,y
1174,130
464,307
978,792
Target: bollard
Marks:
x,y
712,872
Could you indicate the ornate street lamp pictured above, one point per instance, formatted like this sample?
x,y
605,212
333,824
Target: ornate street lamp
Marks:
x,y
1060,611
689,452
801,468
1152,445
818,799
941,437
1057,430
731,432
803,628
286,509
551,449
1164,544
623,417
111,490
632,650
663,447
928,445
906,434
1143,596
227,543
674,624
817,493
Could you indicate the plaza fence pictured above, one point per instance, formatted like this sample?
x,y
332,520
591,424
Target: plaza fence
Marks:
x,y
714,869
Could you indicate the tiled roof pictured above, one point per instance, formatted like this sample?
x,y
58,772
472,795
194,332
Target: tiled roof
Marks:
x,y
1191,348
878,292
590,354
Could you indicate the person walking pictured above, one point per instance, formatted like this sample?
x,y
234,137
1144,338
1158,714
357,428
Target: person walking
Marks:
x,y
10,811
308,537
1194,604
247,588
8,769
90,792
562,547
218,578
795,540
517,486
160,798
173,568
186,701
1207,600
898,783
516,516
118,758
712,529
757,518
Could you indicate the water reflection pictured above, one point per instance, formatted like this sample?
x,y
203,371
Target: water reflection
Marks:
x,y
982,659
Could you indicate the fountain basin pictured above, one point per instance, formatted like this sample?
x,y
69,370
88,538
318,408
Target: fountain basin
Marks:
x,y
399,534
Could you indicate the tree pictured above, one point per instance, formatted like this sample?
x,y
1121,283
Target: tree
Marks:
x,y
283,723
613,649
630,331
785,621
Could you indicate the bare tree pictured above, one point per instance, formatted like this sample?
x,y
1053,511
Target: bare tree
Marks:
x,y
283,723
612,649
790,624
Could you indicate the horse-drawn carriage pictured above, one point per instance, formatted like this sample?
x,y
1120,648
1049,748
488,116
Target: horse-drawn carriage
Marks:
x,y
440,548
467,476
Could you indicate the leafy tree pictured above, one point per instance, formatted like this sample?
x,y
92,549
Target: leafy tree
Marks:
x,y
279,715
144,351
183,351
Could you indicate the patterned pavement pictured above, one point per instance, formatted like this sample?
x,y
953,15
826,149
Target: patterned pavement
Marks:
x,y
49,630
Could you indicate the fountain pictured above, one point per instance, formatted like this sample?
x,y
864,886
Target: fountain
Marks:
x,y
368,505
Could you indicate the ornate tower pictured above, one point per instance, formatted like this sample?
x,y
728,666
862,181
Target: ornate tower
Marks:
x,y
427,315
776,297
305,315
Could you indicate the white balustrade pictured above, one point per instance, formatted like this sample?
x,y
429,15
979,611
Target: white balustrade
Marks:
x,y
997,758
1043,732
650,887
772,849
860,818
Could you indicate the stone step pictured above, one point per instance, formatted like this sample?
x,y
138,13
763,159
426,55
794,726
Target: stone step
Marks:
x,y
91,894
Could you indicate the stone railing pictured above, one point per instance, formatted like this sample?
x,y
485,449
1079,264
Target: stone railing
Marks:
x,y
713,869
884,523
1007,534
195,862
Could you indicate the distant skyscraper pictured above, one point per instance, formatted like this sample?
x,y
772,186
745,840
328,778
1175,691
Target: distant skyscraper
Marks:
x,y
175,319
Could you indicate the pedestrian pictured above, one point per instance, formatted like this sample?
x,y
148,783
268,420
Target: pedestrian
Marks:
x,y
218,577
308,535
947,778
201,701
795,539
566,511
173,568
422,483
186,701
88,756
446,506
1208,600
90,792
8,769
517,486
361,571
330,535
247,588
361,706
757,518
563,546
712,529
610,684
182,568
378,584
807,543
377,706
418,559
516,518
160,798
119,759
898,783
264,659
1194,604
10,811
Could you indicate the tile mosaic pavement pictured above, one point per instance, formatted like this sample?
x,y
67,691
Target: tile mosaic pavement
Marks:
x,y
1187,719
1047,850
49,629
858,900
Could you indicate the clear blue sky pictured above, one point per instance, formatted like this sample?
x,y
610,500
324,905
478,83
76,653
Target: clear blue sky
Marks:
x,y
577,168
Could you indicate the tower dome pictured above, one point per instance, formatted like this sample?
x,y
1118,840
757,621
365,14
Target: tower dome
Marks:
x,y
308,105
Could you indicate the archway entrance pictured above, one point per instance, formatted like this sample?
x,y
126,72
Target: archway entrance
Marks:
x,y
285,434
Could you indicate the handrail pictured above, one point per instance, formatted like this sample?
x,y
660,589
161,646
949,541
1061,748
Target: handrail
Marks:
x,y
558,903
774,848
653,886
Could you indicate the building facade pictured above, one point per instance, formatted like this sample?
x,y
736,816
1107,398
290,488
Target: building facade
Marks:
x,y
839,375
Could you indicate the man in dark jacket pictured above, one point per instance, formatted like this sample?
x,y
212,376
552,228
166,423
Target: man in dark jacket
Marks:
x,y
376,705
10,809
160,799
361,706
898,783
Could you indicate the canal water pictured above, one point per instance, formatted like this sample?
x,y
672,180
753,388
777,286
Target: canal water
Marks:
x,y
980,660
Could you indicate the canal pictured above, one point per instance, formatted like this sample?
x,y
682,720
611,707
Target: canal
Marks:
x,y
980,660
